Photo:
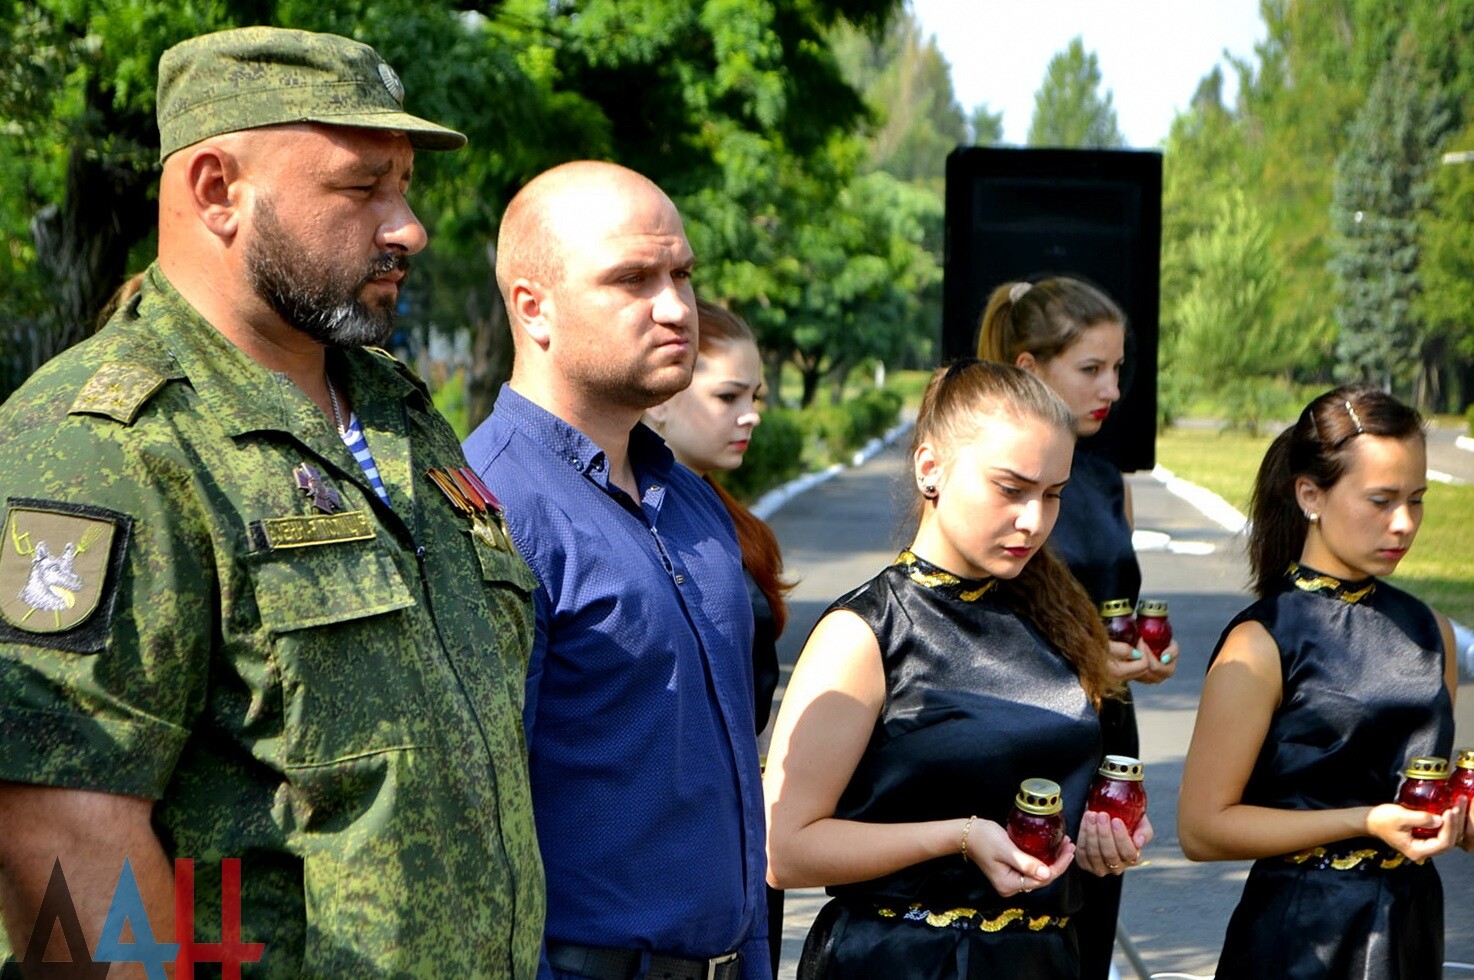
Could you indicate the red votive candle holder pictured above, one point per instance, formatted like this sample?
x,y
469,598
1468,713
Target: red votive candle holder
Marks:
x,y
1153,626
1118,790
1035,823
1425,787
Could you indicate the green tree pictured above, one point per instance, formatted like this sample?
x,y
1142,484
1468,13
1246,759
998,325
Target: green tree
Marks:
x,y
984,126
908,85
1225,333
1446,302
1069,109
1382,186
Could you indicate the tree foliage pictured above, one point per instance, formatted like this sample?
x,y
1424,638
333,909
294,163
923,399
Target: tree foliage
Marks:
x,y
1382,186
1299,95
1069,108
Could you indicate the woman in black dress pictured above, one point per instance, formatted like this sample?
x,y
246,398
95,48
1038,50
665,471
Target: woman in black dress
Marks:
x,y
1316,698
924,697
1072,337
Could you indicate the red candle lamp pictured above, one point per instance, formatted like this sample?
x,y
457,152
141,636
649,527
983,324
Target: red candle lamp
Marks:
x,y
1120,626
1425,787
1035,823
1152,624
1118,790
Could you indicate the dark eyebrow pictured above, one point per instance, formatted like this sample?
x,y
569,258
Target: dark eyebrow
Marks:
x,y
1024,479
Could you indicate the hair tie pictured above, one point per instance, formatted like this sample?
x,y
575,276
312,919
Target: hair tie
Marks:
x,y
1355,419
1016,292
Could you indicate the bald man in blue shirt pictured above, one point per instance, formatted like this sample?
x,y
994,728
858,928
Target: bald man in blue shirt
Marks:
x,y
639,708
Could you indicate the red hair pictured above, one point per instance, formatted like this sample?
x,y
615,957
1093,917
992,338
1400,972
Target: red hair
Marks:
x,y
760,555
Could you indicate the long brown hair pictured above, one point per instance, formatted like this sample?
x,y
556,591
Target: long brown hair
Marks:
x,y
1317,446
958,402
1041,318
760,553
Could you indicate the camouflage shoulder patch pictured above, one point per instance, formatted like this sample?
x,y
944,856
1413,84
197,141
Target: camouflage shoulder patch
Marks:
x,y
59,569
117,391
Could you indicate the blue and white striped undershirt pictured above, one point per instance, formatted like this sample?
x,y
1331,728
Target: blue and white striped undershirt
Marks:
x,y
358,446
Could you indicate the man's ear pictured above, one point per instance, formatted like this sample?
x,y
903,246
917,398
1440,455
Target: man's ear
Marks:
x,y
216,189
530,311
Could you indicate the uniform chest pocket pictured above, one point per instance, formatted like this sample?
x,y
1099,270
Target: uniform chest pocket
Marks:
x,y
344,649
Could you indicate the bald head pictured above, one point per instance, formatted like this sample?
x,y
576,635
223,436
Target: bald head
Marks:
x,y
544,215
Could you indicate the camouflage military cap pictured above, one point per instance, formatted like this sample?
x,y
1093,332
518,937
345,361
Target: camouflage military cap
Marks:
x,y
264,76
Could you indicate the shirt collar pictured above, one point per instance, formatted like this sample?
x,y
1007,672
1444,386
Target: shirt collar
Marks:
x,y
650,458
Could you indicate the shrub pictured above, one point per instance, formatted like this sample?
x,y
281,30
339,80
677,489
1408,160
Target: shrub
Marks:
x,y
774,457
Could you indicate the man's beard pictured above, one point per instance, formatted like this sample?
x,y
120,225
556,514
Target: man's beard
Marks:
x,y
312,294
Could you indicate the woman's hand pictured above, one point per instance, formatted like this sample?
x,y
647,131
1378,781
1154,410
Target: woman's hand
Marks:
x,y
1107,847
1159,667
1128,663
1008,869
1394,826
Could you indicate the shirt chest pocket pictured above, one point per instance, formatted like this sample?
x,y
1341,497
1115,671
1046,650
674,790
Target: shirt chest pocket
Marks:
x,y
345,650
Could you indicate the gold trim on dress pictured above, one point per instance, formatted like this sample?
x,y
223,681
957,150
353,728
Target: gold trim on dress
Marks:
x,y
928,576
1308,580
969,918
1349,861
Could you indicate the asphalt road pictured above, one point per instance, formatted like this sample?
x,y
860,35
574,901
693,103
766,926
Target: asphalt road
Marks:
x,y
838,533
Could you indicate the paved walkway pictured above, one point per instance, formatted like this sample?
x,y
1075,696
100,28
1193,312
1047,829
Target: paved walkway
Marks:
x,y
840,532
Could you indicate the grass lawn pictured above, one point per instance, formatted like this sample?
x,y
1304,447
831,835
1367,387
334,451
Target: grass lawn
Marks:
x,y
1438,570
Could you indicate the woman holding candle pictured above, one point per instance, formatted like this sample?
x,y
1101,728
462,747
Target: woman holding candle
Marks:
x,y
1317,698
1072,337
924,698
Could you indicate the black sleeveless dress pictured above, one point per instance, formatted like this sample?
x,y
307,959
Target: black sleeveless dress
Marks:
x,y
1093,537
976,702
1364,691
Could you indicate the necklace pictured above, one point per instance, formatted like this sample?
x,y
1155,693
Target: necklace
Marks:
x,y
333,399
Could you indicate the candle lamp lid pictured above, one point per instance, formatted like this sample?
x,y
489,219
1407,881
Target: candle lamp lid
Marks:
x,y
1465,758
1039,796
1121,767
1152,607
1426,767
1115,607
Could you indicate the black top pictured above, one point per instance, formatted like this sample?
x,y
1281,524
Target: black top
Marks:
x,y
1364,691
1092,535
976,702
764,652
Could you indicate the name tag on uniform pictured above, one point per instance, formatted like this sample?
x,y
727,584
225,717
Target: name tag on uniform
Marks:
x,y
273,533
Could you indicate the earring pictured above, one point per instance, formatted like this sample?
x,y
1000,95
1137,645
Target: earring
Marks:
x,y
928,490
1312,518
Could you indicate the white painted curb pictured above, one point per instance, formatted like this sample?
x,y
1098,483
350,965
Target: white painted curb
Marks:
x,y
1212,506
769,503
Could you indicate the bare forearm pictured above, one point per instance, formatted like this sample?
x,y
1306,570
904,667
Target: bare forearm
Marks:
x,y
90,834
1243,832
837,852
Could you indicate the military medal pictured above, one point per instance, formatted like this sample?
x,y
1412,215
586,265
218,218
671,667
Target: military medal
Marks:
x,y
310,482
464,489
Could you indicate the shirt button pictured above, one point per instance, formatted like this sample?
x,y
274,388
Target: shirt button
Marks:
x,y
680,580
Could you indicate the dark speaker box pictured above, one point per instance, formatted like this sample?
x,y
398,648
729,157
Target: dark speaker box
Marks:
x,y
1093,214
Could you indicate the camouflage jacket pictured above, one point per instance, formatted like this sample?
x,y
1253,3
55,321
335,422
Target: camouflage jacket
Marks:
x,y
328,689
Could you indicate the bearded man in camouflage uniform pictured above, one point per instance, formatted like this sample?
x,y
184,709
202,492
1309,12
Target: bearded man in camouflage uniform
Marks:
x,y
251,607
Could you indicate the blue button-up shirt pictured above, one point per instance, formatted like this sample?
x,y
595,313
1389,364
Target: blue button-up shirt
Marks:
x,y
639,714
